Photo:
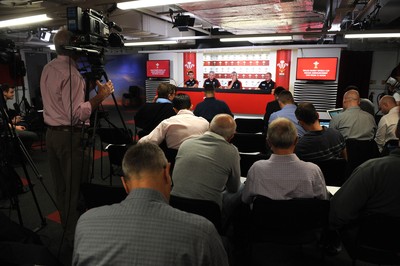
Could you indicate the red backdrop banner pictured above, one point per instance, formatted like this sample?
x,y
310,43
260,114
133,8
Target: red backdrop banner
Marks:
x,y
189,63
283,63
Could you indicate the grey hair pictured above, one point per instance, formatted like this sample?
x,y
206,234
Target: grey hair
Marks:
x,y
223,125
62,38
143,157
282,133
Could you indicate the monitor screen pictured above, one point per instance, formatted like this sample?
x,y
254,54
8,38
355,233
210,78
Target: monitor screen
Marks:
x,y
316,68
158,68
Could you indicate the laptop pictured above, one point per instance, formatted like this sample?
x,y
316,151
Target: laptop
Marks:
x,y
324,123
334,112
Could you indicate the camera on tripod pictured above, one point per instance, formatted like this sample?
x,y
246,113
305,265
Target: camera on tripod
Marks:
x,y
91,28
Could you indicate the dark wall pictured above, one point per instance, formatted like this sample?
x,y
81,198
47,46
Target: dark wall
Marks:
x,y
355,69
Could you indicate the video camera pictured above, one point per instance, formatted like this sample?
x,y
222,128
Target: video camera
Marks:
x,y
91,35
91,28
7,51
11,56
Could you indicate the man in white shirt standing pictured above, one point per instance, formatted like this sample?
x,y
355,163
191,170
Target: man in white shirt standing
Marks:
x,y
387,125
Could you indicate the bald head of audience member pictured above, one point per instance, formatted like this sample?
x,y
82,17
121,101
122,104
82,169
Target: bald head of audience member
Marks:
x,y
284,98
145,166
223,125
386,103
282,136
351,99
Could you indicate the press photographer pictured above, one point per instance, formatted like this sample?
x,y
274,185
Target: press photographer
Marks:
x,y
66,113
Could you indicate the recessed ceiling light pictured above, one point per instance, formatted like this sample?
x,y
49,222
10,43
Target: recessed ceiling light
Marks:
x,y
147,3
24,20
372,35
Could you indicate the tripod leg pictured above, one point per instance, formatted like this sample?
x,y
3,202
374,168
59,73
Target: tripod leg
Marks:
x,y
15,204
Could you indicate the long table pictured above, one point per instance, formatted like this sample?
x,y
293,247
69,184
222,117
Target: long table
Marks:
x,y
252,102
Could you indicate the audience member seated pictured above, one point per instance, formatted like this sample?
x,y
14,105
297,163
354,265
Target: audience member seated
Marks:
x,y
318,143
373,188
16,121
208,167
283,176
151,114
210,106
387,125
143,229
286,102
273,106
354,123
178,128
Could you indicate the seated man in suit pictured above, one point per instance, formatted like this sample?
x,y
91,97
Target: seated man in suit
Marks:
x,y
354,123
144,229
318,143
283,176
151,114
178,128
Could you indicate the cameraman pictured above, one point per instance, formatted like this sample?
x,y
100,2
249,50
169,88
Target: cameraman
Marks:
x,y
15,120
66,113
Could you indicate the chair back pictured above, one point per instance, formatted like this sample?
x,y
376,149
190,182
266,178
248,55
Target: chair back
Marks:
x,y
116,153
113,135
296,221
378,240
206,208
249,125
99,195
247,160
334,171
249,142
359,151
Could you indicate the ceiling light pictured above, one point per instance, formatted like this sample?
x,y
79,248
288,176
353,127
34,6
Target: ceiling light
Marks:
x,y
147,3
150,43
372,35
257,39
24,20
